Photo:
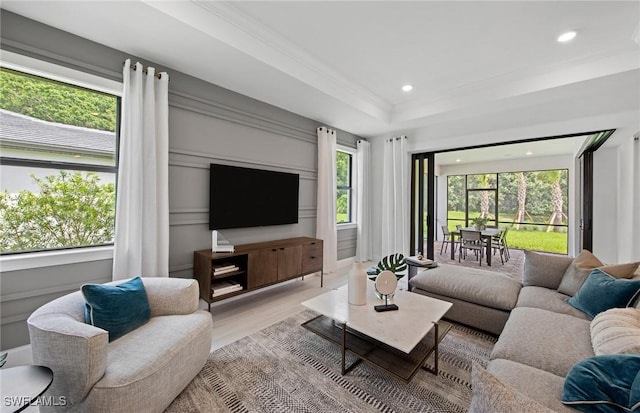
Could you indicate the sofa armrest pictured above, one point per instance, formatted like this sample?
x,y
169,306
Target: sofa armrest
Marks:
x,y
76,353
172,296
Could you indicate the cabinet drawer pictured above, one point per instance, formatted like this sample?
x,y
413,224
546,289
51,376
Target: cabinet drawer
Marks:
x,y
312,257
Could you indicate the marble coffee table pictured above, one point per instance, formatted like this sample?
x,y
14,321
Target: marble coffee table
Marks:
x,y
399,342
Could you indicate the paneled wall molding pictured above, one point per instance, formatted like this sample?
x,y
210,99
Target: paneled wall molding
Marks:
x,y
346,246
18,318
205,221
189,211
234,161
46,291
186,101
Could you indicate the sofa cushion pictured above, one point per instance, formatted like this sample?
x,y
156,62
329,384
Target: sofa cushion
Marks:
x,y
491,395
543,339
117,309
539,385
547,299
601,292
616,331
604,384
544,270
581,267
486,288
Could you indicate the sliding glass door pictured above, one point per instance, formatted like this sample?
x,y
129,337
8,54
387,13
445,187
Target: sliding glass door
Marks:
x,y
422,204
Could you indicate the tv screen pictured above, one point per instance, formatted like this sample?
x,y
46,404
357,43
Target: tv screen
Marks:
x,y
246,197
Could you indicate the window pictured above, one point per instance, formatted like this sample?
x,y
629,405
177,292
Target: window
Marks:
x,y
532,204
344,195
58,146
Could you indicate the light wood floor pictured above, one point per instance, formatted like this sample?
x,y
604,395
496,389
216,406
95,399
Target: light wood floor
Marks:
x,y
236,318
241,316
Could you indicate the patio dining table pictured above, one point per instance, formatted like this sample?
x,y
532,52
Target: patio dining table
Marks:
x,y
486,234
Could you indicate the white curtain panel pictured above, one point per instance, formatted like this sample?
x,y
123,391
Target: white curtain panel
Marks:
x,y
142,206
395,197
326,207
635,182
363,201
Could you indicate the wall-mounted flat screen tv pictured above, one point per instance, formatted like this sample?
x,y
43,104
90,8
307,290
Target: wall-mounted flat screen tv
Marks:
x,y
247,197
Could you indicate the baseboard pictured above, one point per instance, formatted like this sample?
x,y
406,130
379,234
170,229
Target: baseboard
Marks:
x,y
347,262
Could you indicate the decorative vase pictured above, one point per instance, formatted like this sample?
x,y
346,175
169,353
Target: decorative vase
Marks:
x,y
357,286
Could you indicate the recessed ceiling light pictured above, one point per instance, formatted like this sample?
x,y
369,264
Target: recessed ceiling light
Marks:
x,y
565,37
457,160
407,88
529,153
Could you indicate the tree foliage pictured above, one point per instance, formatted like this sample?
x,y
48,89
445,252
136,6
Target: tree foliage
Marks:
x,y
71,209
543,188
56,102
342,177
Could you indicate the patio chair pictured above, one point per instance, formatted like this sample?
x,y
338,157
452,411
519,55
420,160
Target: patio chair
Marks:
x,y
471,240
498,244
448,239
506,244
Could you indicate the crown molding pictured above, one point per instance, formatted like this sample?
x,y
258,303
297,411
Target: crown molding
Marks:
x,y
226,23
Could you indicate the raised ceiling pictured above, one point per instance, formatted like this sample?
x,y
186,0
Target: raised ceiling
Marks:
x,y
475,66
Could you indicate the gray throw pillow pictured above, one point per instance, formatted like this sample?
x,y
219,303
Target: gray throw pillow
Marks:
x,y
544,270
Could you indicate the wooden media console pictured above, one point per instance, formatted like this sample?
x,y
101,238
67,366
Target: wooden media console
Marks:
x,y
254,266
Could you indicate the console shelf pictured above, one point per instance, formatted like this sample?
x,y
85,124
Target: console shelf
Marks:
x,y
259,265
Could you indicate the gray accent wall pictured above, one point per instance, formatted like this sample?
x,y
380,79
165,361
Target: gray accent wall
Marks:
x,y
207,124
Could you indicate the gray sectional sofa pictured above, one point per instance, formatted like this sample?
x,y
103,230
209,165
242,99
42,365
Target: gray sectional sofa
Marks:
x,y
541,336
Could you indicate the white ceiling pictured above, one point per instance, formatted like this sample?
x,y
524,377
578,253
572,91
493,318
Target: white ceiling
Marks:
x,y
515,151
475,66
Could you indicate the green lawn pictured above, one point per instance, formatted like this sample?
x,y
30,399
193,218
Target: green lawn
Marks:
x,y
530,237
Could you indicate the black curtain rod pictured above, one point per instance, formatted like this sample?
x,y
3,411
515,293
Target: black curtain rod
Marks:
x,y
156,75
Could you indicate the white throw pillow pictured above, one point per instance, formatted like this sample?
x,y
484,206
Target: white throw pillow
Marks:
x,y
616,331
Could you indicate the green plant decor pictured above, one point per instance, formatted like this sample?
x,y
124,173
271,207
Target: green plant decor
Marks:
x,y
480,222
3,359
394,263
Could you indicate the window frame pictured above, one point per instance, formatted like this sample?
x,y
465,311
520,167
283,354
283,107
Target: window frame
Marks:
x,y
12,261
351,188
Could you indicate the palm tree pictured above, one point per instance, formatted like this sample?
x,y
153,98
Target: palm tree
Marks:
x,y
522,200
557,199
484,197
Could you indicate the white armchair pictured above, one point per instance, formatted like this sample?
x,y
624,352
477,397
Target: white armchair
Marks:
x,y
142,371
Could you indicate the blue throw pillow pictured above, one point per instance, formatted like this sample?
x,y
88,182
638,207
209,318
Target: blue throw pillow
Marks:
x,y
118,309
604,384
601,292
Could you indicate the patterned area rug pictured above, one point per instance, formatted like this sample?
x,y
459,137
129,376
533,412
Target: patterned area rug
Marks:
x,y
285,368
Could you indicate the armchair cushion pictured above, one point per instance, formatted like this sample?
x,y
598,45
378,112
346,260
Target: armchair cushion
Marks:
x,y
172,296
117,309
